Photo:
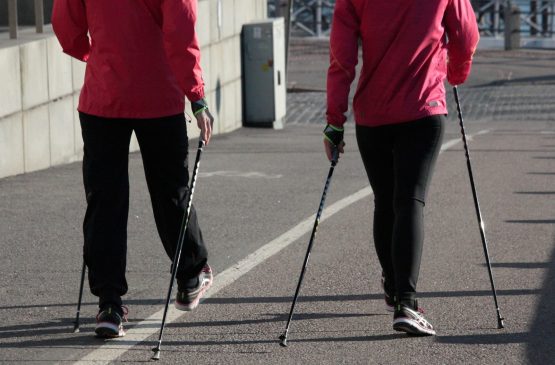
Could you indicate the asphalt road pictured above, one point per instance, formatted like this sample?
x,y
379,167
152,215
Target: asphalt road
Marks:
x,y
256,197
273,181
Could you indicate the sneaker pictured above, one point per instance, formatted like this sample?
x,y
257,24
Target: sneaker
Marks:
x,y
389,300
412,321
109,322
188,299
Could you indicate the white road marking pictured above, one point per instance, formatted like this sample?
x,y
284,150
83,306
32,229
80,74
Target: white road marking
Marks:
x,y
113,349
250,174
449,144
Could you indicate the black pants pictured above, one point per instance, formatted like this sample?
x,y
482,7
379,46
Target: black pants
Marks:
x,y
399,160
163,143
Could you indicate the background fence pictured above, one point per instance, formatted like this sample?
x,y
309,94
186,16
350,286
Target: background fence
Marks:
x,y
17,13
312,18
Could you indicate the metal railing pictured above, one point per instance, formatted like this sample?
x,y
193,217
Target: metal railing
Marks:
x,y
313,17
308,17
13,17
536,17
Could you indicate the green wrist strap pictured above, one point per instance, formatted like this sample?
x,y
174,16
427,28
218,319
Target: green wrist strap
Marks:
x,y
200,110
199,106
337,129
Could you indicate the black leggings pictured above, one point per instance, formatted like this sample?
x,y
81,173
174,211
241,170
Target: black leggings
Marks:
x,y
163,143
399,160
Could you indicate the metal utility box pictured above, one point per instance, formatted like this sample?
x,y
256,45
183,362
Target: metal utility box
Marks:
x,y
263,68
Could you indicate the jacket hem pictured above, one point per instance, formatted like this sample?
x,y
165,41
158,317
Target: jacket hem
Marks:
x,y
150,114
376,121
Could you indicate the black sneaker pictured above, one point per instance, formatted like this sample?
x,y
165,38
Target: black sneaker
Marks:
x,y
188,299
412,321
109,322
389,300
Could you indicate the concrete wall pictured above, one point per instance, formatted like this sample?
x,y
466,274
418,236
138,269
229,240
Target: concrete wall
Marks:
x,y
40,86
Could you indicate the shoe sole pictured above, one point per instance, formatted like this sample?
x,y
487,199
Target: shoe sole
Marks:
x,y
108,330
189,307
411,327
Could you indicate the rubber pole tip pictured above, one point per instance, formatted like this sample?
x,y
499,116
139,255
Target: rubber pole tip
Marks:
x,y
283,341
156,355
76,329
501,323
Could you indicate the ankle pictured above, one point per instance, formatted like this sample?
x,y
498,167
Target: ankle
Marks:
x,y
406,302
187,283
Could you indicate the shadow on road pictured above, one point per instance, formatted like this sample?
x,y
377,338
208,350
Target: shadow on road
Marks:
x,y
53,329
532,221
316,298
291,340
521,265
541,345
486,339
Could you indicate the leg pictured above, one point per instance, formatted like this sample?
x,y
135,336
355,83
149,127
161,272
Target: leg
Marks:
x,y
105,176
416,148
376,149
164,144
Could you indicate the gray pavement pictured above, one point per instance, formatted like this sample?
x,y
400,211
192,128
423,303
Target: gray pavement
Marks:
x,y
516,86
256,186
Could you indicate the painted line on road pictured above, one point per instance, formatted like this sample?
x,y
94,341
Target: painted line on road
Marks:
x,y
113,349
249,174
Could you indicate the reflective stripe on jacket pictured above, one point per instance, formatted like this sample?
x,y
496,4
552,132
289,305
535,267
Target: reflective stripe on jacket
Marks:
x,y
405,47
142,56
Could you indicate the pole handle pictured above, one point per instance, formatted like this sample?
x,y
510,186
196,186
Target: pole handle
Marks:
x,y
334,156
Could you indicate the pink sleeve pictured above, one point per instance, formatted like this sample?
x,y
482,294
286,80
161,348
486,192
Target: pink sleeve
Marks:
x,y
69,21
179,18
343,60
463,37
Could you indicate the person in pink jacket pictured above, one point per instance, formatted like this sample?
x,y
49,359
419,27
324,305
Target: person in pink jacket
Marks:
x,y
408,49
142,61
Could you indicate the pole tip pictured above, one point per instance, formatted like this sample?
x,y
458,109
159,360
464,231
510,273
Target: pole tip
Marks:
x,y
76,327
156,355
283,340
500,323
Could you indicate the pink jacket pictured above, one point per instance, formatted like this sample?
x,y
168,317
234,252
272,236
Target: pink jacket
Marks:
x,y
142,57
408,48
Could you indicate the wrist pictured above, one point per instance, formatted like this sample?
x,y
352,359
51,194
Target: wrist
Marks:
x,y
333,134
335,128
199,106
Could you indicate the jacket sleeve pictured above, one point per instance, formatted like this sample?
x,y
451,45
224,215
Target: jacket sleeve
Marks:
x,y
182,49
463,37
69,21
343,60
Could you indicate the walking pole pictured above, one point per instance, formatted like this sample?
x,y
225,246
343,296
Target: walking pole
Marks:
x,y
500,319
179,247
76,323
283,337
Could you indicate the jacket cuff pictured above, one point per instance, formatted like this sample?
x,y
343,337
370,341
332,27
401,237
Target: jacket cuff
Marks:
x,y
336,124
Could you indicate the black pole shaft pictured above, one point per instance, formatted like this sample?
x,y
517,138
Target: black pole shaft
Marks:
x,y
283,337
500,323
177,254
76,323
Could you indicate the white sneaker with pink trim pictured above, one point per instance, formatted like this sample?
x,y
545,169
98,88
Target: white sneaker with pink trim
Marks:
x,y
189,299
